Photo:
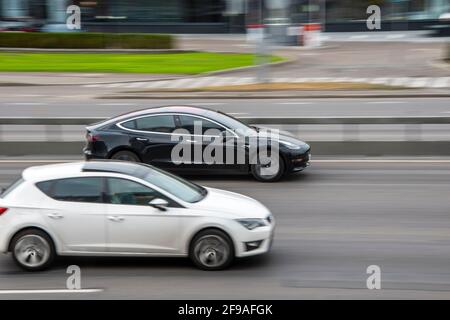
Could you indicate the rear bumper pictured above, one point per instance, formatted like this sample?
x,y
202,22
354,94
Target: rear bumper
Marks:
x,y
89,155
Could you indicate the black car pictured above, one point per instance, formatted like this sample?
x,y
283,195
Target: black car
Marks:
x,y
173,137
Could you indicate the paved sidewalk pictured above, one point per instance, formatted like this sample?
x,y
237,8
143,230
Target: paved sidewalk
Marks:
x,y
193,83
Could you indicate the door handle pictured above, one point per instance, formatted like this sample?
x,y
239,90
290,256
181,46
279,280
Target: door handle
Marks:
x,y
55,215
115,218
191,141
141,139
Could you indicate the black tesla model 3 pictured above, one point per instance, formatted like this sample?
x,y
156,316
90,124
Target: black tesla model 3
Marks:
x,y
196,140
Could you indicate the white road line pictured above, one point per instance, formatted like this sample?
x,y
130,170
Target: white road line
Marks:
x,y
134,84
25,103
385,102
50,291
418,83
39,161
208,103
116,104
294,103
395,36
441,83
382,161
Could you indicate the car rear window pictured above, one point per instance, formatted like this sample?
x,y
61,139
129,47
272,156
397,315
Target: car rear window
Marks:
x,y
85,189
11,187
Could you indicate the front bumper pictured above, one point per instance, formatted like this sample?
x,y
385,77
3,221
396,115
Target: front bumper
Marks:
x,y
298,161
263,234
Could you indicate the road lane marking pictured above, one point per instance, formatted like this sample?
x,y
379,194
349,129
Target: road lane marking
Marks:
x,y
382,160
25,103
385,102
209,103
294,103
40,291
116,104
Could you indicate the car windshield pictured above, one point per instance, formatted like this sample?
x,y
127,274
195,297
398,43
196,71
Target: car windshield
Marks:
x,y
183,189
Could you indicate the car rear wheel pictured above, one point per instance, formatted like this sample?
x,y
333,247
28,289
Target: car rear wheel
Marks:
x,y
125,156
33,250
211,249
270,170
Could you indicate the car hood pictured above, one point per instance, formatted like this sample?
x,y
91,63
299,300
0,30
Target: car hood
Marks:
x,y
232,204
264,133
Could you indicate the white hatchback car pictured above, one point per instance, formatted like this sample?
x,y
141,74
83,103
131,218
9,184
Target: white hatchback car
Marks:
x,y
113,208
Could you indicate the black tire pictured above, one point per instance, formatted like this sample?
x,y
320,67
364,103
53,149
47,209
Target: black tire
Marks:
x,y
200,254
126,155
255,169
32,243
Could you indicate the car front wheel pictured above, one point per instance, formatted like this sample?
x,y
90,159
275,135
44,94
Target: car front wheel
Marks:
x,y
267,170
32,250
211,249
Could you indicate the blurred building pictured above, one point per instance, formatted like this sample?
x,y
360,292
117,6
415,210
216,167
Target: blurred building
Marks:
x,y
223,16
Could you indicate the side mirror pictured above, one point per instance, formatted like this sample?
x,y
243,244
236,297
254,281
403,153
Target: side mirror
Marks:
x,y
159,204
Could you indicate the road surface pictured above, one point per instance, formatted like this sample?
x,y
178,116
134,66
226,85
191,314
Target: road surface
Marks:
x,y
333,221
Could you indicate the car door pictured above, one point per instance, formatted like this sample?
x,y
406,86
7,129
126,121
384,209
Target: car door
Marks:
x,y
133,226
208,137
77,214
151,137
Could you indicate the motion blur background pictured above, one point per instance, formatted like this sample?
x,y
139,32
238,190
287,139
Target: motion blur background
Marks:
x,y
374,106
223,16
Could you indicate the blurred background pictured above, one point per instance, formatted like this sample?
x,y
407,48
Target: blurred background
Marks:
x,y
221,16
373,105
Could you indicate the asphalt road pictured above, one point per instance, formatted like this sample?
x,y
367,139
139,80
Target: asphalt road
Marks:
x,y
39,101
77,101
333,221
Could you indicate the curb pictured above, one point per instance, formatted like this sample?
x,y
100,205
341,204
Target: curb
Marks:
x,y
247,95
68,50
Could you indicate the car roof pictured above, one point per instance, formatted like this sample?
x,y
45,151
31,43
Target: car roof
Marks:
x,y
149,111
70,169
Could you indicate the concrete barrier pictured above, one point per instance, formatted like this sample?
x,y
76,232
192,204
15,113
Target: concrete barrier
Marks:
x,y
321,148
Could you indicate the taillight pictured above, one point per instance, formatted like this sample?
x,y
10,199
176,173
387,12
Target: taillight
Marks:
x,y
92,137
3,210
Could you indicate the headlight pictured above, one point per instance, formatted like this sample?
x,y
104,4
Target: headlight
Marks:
x,y
251,224
290,145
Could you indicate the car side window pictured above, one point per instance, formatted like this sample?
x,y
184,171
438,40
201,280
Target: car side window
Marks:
x,y
123,191
189,123
163,124
85,189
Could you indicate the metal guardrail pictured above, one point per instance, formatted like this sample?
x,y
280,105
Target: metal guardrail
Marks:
x,y
350,124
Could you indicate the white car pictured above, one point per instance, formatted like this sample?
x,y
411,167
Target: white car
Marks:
x,y
113,208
